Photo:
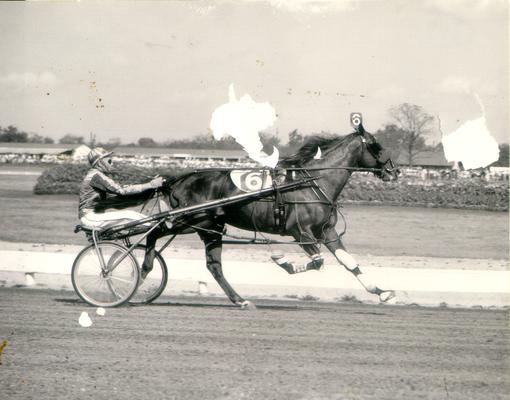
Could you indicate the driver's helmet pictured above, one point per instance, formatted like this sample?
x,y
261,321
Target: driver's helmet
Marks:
x,y
97,154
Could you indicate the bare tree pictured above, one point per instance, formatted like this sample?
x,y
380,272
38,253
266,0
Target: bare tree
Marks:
x,y
392,139
416,125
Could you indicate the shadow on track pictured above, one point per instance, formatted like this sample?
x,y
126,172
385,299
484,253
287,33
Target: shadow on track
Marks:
x,y
261,304
231,306
74,301
69,301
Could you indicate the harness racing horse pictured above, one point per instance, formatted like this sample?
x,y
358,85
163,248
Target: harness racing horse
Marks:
x,y
310,210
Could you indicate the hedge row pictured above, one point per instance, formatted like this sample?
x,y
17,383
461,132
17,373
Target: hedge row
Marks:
x,y
66,178
460,193
473,193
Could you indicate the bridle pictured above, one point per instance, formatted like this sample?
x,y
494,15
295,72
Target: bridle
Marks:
x,y
374,148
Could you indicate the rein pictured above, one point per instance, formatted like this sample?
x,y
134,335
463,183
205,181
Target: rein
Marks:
x,y
360,169
220,169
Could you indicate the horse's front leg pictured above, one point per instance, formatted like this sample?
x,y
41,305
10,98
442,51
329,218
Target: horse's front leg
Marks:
x,y
335,245
316,260
213,247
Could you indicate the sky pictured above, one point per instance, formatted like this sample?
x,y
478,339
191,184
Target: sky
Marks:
x,y
159,69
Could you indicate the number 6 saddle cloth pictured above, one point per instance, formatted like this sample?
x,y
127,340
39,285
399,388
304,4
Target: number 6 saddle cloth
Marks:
x,y
253,180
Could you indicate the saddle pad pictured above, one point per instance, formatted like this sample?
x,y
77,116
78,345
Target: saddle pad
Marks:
x,y
251,180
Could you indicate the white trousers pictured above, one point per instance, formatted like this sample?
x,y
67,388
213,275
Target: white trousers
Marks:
x,y
99,220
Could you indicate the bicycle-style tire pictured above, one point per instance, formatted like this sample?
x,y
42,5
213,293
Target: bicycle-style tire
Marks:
x,y
100,290
150,288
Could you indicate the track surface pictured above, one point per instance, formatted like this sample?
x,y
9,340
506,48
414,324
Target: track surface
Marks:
x,y
204,348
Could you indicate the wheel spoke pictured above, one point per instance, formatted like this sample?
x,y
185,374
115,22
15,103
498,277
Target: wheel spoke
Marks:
x,y
121,279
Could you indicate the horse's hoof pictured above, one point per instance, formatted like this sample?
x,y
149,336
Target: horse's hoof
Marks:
x,y
246,305
388,297
143,273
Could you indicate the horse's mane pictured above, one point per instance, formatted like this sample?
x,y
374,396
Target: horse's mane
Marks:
x,y
308,151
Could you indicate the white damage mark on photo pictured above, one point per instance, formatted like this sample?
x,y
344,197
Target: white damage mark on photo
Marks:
x,y
100,311
244,119
472,143
85,320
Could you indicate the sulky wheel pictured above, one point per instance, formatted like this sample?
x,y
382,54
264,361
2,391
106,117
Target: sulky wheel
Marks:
x,y
153,283
106,275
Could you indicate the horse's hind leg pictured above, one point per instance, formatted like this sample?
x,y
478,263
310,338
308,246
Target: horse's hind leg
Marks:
x,y
213,247
335,245
150,252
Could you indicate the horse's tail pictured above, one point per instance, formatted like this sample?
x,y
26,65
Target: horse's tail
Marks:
x,y
171,181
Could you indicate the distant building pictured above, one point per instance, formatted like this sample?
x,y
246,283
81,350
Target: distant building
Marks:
x,y
16,153
77,154
426,159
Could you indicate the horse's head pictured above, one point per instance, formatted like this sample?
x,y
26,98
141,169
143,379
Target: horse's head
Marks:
x,y
373,155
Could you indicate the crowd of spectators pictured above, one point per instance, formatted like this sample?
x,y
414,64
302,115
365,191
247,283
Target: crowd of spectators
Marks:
x,y
13,158
143,161
437,174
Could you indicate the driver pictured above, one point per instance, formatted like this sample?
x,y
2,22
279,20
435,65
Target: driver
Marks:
x,y
95,187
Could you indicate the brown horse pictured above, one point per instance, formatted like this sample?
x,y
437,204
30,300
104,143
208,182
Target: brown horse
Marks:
x,y
307,213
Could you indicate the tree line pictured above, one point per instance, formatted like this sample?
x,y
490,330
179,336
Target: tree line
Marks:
x,y
13,134
405,135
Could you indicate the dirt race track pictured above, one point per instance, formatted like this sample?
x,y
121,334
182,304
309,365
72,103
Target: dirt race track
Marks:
x,y
204,348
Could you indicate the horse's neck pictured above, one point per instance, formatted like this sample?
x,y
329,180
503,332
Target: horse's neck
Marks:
x,y
333,180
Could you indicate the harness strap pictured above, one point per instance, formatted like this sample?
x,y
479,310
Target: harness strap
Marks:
x,y
279,211
155,195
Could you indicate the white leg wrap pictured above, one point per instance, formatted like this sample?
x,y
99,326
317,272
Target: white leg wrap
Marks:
x,y
350,263
346,259
289,266
280,259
